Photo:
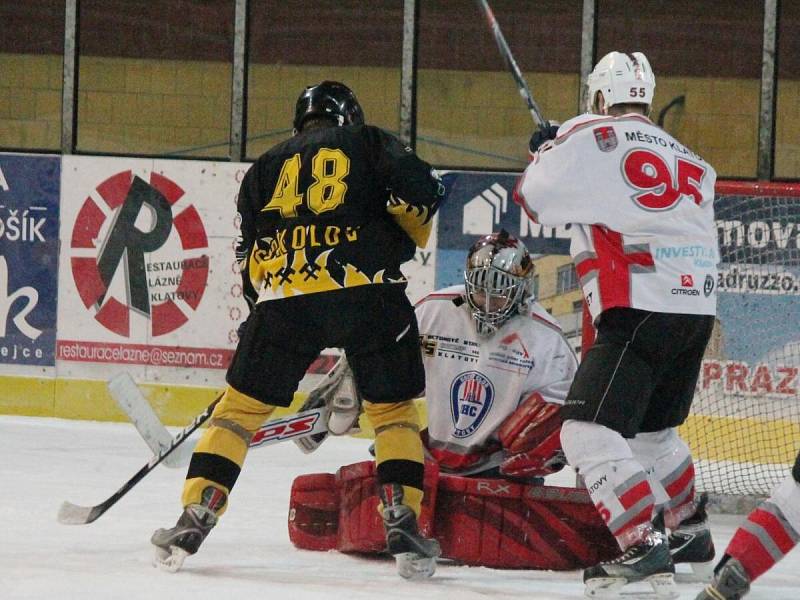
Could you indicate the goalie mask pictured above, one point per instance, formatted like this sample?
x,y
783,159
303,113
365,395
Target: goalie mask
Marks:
x,y
623,79
498,280
329,99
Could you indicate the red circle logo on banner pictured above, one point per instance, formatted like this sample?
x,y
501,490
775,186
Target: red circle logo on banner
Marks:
x,y
137,254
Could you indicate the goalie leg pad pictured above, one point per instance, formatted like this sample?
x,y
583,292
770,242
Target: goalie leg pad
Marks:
x,y
340,512
314,512
360,522
483,522
500,524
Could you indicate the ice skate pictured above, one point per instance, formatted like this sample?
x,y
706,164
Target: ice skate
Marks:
x,y
415,555
691,543
175,544
648,561
731,582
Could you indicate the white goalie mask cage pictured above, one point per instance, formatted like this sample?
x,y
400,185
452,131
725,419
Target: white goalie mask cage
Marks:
x,y
498,280
623,79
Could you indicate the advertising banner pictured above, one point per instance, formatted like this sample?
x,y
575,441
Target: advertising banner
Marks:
x,y
29,193
759,276
148,275
478,203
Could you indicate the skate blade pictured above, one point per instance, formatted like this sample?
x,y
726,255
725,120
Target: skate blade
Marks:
x,y
604,587
700,572
170,561
663,588
413,566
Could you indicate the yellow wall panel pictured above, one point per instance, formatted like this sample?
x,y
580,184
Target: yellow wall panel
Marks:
x,y
474,110
48,105
96,74
34,396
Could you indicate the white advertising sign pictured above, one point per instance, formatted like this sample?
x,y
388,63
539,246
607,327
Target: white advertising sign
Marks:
x,y
147,280
147,277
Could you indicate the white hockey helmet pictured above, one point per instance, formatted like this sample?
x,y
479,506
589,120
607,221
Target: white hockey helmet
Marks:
x,y
623,79
498,280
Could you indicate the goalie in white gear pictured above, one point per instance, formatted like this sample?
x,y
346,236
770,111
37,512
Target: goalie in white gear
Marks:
x,y
644,245
497,368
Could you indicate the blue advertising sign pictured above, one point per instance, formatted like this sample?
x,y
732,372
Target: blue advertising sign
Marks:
x,y
758,229
29,196
478,203
759,275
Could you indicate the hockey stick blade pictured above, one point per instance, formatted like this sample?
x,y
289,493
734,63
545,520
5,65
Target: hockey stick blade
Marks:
x,y
129,398
73,514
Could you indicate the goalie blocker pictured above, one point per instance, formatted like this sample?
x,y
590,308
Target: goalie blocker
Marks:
x,y
482,522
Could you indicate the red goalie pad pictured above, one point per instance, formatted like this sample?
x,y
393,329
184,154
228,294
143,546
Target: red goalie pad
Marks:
x,y
497,523
314,512
360,523
340,512
484,522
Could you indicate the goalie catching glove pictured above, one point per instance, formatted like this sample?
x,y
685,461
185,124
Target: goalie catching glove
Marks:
x,y
338,392
530,437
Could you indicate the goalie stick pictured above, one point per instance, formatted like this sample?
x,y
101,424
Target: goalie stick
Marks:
x,y
305,423
508,58
310,422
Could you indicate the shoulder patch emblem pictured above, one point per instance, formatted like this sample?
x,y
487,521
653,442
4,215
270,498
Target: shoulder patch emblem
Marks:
x,y
605,137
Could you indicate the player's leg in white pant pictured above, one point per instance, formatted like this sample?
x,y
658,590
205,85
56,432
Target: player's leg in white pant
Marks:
x,y
670,469
621,492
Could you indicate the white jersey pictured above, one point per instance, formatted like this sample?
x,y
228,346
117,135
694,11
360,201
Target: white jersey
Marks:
x,y
641,207
473,383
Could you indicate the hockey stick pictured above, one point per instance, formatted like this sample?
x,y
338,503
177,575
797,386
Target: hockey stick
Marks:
x,y
129,398
306,423
72,514
508,58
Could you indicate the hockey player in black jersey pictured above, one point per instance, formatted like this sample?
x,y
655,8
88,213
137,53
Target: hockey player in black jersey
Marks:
x,y
327,218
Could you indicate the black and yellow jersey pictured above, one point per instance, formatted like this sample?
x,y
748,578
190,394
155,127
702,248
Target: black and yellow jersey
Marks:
x,y
333,208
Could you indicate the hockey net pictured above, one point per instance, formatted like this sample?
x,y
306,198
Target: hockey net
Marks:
x,y
744,428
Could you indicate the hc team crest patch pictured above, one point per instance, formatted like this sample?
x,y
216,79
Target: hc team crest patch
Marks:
x,y
606,138
471,396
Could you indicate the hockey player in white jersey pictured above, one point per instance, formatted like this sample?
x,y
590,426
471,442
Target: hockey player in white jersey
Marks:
x,y
644,246
770,532
497,368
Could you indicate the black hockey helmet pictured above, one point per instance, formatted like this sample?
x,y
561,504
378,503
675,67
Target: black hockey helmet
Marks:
x,y
328,99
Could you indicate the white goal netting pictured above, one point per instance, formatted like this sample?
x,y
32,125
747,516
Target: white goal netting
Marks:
x,y
744,429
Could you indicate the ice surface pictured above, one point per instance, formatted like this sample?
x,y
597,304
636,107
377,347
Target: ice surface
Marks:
x,y
46,461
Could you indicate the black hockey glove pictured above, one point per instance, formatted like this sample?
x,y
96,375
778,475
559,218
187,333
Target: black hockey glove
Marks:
x,y
540,136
